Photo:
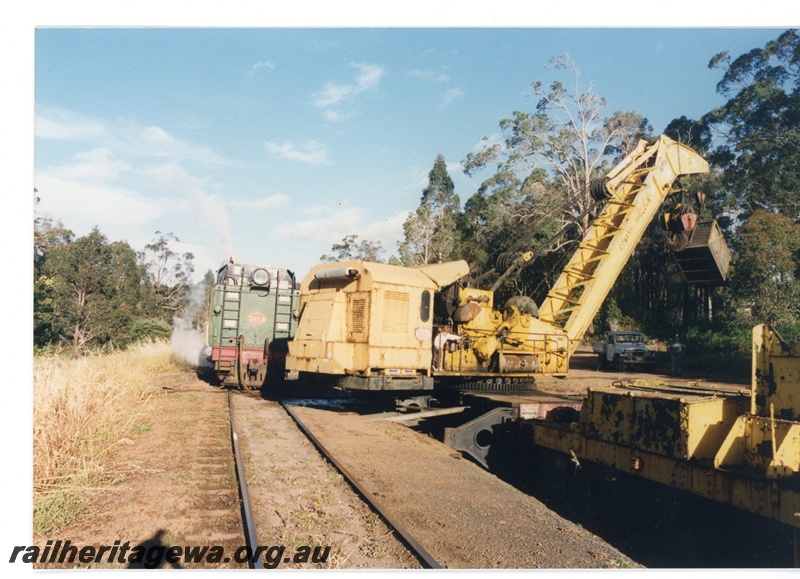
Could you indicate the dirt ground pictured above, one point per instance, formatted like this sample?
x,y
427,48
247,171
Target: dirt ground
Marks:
x,y
463,515
299,499
177,487
584,374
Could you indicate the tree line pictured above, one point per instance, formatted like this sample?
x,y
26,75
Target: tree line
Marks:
x,y
92,292
535,195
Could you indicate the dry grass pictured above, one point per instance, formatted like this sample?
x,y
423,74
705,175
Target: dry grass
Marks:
x,y
81,409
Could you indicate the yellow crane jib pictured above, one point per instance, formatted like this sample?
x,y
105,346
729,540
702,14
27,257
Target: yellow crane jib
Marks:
x,y
636,188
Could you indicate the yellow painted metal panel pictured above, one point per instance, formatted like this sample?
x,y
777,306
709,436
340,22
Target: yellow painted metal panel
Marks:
x,y
680,426
363,318
759,496
776,374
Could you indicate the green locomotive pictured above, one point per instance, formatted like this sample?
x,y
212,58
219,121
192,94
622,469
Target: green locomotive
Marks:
x,y
253,315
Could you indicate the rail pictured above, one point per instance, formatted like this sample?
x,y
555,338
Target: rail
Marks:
x,y
425,558
244,496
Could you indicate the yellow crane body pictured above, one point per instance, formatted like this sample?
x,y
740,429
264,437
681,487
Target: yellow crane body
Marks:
x,y
382,327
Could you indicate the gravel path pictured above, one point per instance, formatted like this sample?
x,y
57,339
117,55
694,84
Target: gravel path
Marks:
x,y
464,516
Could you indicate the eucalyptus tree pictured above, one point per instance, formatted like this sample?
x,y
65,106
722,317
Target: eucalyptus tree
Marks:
x,y
431,232
168,275
48,234
349,248
95,290
567,136
766,264
758,128
539,196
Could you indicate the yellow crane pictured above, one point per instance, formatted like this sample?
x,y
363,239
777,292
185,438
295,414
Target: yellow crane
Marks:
x,y
382,327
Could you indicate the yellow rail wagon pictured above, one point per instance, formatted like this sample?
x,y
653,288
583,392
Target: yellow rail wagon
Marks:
x,y
740,448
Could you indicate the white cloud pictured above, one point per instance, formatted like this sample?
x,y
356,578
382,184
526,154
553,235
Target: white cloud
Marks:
x,y
333,94
368,77
388,231
259,65
63,125
336,223
451,95
328,225
208,210
84,205
157,143
429,75
333,116
491,140
454,168
130,179
157,135
173,177
311,152
95,165
121,137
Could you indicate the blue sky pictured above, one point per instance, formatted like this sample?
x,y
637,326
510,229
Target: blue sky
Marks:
x,y
272,144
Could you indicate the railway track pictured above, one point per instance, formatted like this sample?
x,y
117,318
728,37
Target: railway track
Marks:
x,y
244,496
426,560
428,500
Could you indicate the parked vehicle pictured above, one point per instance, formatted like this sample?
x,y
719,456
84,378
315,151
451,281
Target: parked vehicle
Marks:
x,y
624,350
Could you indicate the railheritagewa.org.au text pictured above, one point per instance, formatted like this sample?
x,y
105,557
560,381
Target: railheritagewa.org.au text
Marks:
x,y
154,556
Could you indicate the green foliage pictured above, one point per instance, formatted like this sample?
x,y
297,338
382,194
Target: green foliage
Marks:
x,y
695,134
430,233
765,266
611,318
712,339
567,136
349,249
539,197
89,292
508,215
199,314
93,289
55,510
167,277
149,329
43,310
753,189
624,130
47,235
789,331
761,125
613,315
534,196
